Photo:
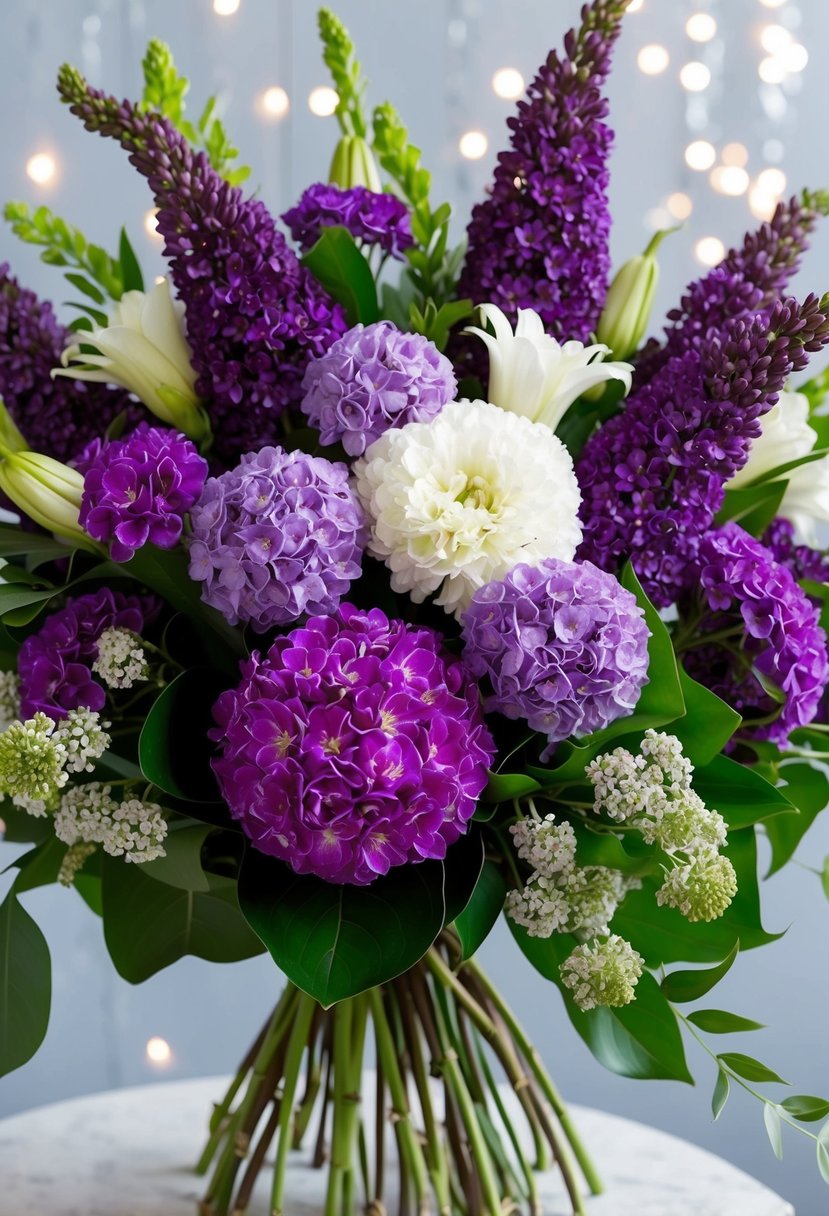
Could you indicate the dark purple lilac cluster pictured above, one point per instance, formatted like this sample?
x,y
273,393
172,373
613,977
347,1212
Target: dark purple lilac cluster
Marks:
x,y
804,562
55,664
138,490
356,744
374,378
57,417
254,315
371,218
563,645
652,478
540,240
765,633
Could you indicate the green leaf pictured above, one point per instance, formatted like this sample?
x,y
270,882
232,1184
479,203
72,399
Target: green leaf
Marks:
x,y
85,287
717,1021
131,275
748,1068
741,795
173,750
181,865
682,986
503,787
806,1108
39,867
722,1089
149,925
708,723
824,877
606,849
753,507
462,868
336,941
822,1147
774,1129
25,985
661,700
337,264
22,828
15,542
478,918
808,789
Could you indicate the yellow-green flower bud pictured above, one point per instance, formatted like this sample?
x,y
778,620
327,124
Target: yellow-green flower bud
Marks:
x,y
353,164
629,301
48,492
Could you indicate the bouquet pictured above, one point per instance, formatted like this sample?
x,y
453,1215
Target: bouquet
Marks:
x,y
365,588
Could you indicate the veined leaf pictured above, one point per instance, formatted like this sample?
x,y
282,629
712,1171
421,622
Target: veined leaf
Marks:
x,y
722,1089
717,1021
25,985
478,918
682,986
337,264
748,1068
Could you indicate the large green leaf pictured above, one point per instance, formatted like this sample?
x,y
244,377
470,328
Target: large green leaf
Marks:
x,y
808,789
181,865
174,751
503,787
661,700
462,868
741,795
25,985
336,263
148,925
708,723
39,867
691,985
753,507
15,542
478,918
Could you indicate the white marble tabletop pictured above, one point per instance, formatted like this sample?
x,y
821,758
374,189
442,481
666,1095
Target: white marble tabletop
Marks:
x,y
130,1153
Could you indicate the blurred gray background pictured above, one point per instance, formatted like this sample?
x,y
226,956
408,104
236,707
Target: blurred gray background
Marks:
x,y
753,103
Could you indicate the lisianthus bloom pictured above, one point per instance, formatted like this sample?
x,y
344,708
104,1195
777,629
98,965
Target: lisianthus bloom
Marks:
x,y
786,436
533,375
458,501
371,217
143,348
356,744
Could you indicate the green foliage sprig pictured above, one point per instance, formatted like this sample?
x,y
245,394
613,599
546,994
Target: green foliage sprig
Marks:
x,y
339,56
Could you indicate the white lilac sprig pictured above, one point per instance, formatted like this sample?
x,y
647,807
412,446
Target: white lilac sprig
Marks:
x,y
130,827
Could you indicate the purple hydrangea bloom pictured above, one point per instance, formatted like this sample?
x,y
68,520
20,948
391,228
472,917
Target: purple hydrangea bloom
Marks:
x,y
653,477
563,645
139,489
255,316
540,239
803,561
374,378
277,537
775,635
372,219
356,744
57,417
55,663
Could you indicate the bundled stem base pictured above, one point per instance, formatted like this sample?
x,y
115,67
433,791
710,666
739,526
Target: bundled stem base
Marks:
x,y
443,1042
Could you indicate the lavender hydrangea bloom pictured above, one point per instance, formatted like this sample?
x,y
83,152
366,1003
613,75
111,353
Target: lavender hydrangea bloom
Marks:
x,y
255,316
803,561
653,477
775,634
279,536
540,239
356,744
372,219
57,417
563,645
139,489
55,663
373,378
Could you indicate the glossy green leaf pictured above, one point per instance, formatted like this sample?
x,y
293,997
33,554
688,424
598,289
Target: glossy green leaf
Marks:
x,y
131,276
181,865
748,1068
25,985
339,266
808,789
682,986
15,542
717,1021
39,867
19,827
722,1088
774,1128
753,507
708,723
174,751
462,868
605,849
478,918
806,1108
503,787
741,795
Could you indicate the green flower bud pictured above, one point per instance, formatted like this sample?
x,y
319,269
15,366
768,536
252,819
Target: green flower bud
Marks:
x,y
353,164
629,301
703,889
602,972
32,759
48,492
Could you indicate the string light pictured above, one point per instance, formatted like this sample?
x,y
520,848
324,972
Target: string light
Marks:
x,y
735,154
771,70
729,179
701,27
473,145
774,38
274,102
772,181
700,155
226,8
695,77
151,224
680,205
773,3
41,168
634,6
159,279
508,83
653,59
709,250
763,205
323,101
158,1052
794,57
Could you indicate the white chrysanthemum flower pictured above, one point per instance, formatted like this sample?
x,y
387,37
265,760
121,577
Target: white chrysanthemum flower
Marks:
x,y
602,972
121,660
458,501
533,375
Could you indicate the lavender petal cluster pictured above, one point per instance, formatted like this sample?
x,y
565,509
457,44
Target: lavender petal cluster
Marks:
x,y
254,315
540,239
652,478
354,745
374,378
371,218
563,645
804,562
765,628
57,417
55,664
138,490
279,536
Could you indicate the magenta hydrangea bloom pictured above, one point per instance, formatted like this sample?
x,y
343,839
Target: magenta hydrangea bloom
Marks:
x,y
55,663
374,378
563,645
774,633
139,489
371,218
356,744
279,536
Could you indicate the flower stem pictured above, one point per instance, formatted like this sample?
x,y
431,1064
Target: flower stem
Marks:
x,y
293,1063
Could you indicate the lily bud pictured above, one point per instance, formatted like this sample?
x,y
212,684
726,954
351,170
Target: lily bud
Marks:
x,y
144,349
353,164
11,439
48,492
629,302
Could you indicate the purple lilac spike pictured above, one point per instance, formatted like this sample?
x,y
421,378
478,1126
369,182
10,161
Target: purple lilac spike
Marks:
x,y
804,562
652,478
254,315
56,417
540,240
372,219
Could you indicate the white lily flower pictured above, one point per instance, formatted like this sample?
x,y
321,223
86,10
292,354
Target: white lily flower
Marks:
x,y
533,375
144,349
48,492
786,436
